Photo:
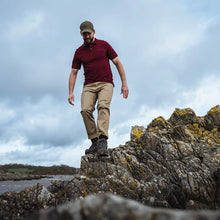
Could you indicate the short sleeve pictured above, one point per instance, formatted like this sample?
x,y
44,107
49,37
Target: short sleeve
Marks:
x,y
76,64
111,52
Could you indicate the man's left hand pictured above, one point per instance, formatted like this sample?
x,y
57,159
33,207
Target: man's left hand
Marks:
x,y
124,91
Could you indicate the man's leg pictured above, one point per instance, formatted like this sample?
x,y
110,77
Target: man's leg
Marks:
x,y
104,101
88,101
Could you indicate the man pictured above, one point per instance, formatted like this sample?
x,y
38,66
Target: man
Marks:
x,y
94,55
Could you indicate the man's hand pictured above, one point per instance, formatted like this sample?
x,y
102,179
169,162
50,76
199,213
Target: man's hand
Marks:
x,y
71,99
124,91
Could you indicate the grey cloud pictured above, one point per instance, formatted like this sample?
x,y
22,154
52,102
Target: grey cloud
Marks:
x,y
43,123
36,155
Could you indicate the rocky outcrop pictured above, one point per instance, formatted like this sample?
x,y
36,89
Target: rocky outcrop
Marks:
x,y
108,207
29,172
172,163
15,205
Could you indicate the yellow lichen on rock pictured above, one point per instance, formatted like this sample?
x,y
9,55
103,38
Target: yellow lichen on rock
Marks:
x,y
136,132
214,110
182,111
85,193
161,120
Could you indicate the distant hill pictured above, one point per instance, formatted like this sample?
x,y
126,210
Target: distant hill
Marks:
x,y
38,170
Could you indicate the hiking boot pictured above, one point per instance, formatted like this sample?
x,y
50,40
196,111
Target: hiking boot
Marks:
x,y
93,147
102,147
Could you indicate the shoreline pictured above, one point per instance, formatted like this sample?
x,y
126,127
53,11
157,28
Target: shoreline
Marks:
x,y
9,186
18,177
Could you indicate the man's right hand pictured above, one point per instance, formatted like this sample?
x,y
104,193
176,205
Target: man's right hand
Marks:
x,y
71,99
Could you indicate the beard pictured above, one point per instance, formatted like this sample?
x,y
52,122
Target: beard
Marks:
x,y
88,40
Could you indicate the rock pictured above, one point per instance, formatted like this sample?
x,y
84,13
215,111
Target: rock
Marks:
x,y
172,163
182,117
15,205
212,119
217,178
108,206
136,131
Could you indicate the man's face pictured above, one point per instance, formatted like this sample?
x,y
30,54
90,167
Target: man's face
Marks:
x,y
88,37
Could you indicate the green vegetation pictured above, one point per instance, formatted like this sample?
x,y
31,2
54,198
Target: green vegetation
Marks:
x,y
20,170
38,170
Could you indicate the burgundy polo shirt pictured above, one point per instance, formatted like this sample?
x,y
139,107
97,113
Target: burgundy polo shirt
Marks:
x,y
95,60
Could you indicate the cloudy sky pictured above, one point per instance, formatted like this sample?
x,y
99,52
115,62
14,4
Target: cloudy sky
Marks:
x,y
169,49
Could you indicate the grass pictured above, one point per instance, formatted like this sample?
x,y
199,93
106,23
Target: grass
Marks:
x,y
20,170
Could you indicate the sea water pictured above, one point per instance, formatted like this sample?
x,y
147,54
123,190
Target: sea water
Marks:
x,y
19,185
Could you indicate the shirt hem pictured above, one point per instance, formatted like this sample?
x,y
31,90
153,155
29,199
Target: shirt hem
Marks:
x,y
87,83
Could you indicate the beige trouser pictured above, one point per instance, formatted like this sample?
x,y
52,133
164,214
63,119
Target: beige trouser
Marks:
x,y
102,92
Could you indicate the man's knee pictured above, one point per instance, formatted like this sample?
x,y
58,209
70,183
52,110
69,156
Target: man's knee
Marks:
x,y
87,111
103,105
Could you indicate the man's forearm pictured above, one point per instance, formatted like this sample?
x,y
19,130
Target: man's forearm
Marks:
x,y
124,88
72,80
121,72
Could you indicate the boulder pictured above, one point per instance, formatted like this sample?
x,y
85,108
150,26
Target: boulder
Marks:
x,y
212,119
107,206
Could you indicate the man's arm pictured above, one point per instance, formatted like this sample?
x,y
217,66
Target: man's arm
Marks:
x,y
72,81
124,87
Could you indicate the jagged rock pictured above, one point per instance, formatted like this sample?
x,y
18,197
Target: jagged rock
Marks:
x,y
14,205
212,119
136,131
182,117
107,206
172,163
